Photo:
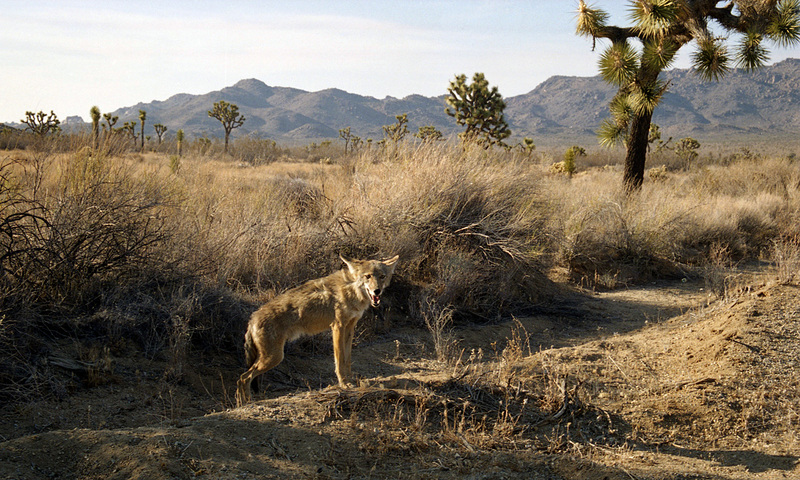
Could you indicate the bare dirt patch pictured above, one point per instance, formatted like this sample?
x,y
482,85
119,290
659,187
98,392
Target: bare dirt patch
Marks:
x,y
640,383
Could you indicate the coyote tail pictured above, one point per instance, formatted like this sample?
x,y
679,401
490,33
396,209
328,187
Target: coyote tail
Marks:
x,y
250,352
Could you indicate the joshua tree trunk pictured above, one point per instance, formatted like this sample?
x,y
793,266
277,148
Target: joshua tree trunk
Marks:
x,y
639,132
637,151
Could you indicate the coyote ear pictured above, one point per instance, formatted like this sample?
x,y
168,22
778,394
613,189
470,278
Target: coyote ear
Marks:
x,y
349,263
392,262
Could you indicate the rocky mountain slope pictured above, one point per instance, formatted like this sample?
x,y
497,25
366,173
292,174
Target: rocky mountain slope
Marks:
x,y
764,102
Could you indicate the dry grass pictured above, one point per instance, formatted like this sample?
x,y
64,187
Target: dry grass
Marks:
x,y
126,257
678,221
175,257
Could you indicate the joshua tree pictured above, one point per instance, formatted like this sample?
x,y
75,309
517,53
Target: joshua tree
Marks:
x,y
569,158
686,150
355,143
228,115
662,27
527,146
344,134
94,112
110,121
142,118
479,108
179,138
428,133
129,128
160,130
397,131
42,123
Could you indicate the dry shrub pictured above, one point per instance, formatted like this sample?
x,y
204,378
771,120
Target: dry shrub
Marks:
x,y
785,254
271,235
439,322
105,225
256,151
618,239
98,246
607,237
467,225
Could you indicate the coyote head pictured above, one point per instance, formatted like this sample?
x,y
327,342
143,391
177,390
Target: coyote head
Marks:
x,y
371,275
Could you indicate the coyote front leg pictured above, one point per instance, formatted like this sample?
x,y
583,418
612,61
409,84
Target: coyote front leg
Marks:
x,y
342,346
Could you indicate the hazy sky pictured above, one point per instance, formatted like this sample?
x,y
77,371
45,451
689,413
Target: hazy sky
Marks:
x,y
67,55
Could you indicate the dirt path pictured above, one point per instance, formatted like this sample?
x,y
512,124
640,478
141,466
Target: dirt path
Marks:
x,y
641,383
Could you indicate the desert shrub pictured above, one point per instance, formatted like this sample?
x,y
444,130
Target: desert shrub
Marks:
x,y
785,254
675,223
103,225
256,151
467,225
21,219
93,247
617,237
657,174
12,138
439,322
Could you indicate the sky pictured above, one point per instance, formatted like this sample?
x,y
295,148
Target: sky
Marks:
x,y
68,55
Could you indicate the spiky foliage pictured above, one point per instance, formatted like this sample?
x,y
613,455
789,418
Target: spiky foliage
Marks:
x,y
142,118
397,131
478,108
179,138
160,129
686,150
111,120
94,112
662,27
619,64
785,27
42,123
228,115
344,134
428,133
129,129
527,146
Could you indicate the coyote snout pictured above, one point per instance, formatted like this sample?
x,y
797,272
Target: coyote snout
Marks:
x,y
337,302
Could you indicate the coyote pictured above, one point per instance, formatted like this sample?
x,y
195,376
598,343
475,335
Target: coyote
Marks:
x,y
337,302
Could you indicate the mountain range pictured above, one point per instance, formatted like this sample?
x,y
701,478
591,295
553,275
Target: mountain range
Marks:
x,y
764,103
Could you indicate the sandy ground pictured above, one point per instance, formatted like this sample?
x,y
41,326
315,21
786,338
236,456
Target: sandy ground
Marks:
x,y
654,382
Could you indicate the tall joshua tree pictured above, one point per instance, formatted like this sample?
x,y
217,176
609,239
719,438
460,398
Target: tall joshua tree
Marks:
x,y
344,134
478,108
228,115
160,129
142,118
662,27
94,112
179,138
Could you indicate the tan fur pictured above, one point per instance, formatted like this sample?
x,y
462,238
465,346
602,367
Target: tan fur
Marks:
x,y
337,302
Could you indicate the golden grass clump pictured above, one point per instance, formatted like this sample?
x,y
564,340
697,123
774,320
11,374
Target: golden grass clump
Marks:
x,y
675,222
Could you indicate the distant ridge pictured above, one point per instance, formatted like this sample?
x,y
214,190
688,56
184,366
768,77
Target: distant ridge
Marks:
x,y
766,102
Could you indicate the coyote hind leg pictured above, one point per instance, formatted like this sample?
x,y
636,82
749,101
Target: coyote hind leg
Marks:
x,y
266,361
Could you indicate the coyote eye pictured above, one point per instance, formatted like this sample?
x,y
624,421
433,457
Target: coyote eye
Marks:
x,y
368,276
383,276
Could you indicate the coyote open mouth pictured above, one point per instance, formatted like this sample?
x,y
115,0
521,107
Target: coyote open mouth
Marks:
x,y
374,297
